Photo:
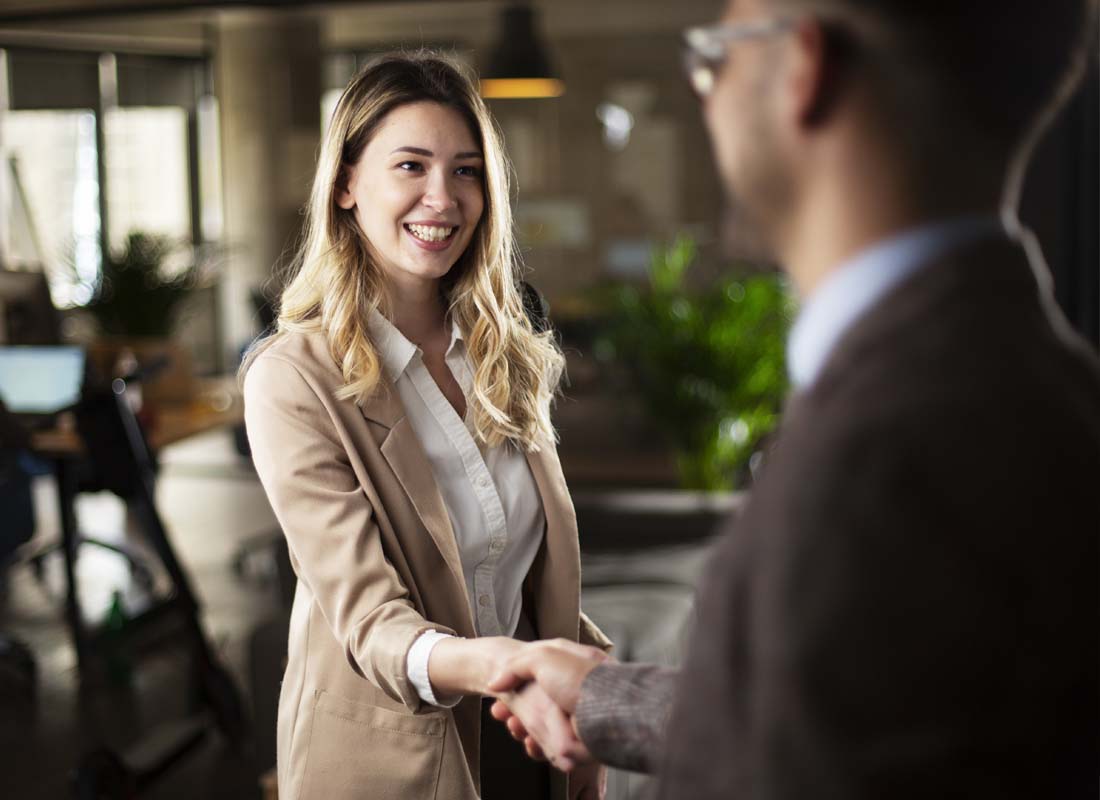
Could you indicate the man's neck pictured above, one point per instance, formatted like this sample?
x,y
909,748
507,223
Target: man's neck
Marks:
x,y
860,200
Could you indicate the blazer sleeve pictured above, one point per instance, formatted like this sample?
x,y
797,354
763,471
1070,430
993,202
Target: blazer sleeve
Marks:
x,y
622,714
330,526
590,634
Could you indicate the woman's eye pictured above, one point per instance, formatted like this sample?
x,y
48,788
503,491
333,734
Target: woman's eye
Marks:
x,y
471,172
410,166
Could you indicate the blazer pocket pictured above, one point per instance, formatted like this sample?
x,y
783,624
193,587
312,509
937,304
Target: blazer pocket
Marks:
x,y
357,750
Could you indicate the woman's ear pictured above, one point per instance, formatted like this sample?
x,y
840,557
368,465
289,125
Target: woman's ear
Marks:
x,y
344,180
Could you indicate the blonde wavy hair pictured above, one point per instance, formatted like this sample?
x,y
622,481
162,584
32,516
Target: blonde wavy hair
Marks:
x,y
336,284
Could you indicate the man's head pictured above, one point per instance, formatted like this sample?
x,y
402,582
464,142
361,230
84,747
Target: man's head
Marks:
x,y
954,91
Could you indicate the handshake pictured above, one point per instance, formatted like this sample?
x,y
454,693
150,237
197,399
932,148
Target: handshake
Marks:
x,y
537,690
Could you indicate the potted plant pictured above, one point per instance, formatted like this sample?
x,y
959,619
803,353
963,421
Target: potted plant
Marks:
x,y
136,301
708,362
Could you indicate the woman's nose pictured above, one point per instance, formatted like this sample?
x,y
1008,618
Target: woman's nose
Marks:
x,y
440,195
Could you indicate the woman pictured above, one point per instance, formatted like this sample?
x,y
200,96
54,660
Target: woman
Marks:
x,y
399,421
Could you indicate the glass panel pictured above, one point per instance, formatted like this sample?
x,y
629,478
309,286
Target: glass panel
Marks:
x,y
210,169
51,198
329,99
147,178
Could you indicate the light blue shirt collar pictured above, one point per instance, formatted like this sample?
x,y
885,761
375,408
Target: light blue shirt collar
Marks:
x,y
853,289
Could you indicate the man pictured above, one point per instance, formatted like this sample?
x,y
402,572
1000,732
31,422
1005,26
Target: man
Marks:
x,y
907,607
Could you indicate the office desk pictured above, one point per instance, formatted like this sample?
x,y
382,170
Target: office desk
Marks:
x,y
217,404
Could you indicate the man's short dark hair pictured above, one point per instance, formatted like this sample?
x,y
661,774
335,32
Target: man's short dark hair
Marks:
x,y
963,70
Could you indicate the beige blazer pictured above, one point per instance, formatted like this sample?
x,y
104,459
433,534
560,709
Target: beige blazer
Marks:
x,y
377,565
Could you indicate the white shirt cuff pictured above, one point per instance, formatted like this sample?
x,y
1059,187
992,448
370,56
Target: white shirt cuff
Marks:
x,y
416,666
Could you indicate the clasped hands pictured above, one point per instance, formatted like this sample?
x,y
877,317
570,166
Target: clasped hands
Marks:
x,y
537,691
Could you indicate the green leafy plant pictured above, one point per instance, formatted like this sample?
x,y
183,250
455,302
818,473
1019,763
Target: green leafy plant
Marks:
x,y
138,293
708,363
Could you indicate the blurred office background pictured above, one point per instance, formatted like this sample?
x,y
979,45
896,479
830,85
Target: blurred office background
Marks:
x,y
177,141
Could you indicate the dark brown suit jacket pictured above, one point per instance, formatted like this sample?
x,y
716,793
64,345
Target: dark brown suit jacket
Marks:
x,y
907,607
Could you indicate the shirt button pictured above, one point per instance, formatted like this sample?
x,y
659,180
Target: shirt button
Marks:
x,y
496,546
483,600
483,482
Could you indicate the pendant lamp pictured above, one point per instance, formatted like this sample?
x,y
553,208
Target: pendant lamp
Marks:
x,y
519,64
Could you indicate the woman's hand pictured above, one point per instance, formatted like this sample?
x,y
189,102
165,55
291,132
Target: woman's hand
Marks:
x,y
465,666
550,724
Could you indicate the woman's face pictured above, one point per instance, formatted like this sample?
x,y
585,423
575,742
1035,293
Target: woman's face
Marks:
x,y
417,191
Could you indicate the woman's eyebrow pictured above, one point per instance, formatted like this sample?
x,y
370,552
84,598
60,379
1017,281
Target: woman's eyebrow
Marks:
x,y
420,151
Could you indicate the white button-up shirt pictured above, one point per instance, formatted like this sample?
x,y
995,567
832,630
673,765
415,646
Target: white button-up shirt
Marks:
x,y
490,494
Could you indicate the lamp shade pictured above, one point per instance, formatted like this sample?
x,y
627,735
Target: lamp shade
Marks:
x,y
519,63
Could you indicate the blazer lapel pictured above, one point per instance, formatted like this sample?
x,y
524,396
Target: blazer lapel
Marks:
x,y
402,451
383,406
557,593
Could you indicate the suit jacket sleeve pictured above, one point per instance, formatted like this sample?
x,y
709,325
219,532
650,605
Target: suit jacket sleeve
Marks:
x,y
622,714
330,526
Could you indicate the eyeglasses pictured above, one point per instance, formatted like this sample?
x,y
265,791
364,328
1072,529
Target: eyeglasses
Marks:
x,y
705,48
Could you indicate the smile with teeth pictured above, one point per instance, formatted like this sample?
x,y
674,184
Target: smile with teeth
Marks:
x,y
431,233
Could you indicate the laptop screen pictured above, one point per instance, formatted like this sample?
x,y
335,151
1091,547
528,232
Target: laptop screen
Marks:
x,y
40,380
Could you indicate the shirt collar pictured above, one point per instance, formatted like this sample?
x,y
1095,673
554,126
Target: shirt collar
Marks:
x,y
395,350
858,284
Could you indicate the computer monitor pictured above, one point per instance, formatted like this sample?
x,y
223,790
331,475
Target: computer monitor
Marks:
x,y
27,313
40,381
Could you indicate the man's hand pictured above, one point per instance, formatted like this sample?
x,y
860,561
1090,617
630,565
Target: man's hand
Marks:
x,y
557,668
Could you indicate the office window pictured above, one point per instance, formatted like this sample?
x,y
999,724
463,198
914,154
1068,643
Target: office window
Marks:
x,y
51,197
148,187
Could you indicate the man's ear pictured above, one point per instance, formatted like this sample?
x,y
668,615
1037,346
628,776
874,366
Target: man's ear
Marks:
x,y
815,75
344,179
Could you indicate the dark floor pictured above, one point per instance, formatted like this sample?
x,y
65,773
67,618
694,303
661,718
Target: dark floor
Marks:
x,y
212,503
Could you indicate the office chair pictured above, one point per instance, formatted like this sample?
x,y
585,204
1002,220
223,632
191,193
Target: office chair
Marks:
x,y
18,671
41,382
121,462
